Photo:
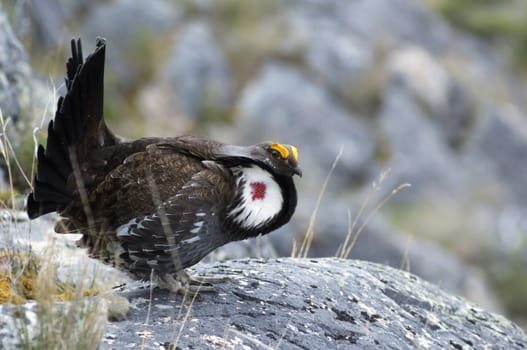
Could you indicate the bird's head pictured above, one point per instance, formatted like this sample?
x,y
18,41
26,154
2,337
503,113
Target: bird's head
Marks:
x,y
278,158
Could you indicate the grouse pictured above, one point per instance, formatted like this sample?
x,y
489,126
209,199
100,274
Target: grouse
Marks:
x,y
153,205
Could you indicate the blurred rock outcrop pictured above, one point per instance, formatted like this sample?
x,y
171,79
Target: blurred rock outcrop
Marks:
x,y
15,71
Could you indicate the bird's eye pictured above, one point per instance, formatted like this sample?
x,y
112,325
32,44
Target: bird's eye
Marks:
x,y
275,153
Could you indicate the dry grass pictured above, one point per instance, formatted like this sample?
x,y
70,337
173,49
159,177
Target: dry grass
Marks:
x,y
310,233
365,214
354,232
66,315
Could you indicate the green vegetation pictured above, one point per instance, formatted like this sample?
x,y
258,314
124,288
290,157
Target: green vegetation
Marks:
x,y
502,21
511,286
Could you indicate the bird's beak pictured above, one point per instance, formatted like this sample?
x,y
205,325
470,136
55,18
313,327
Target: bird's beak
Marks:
x,y
297,171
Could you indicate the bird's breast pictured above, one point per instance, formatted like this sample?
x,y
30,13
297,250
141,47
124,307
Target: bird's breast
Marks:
x,y
260,197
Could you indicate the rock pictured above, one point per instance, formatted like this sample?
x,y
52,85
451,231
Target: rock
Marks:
x,y
499,147
43,21
24,103
420,155
259,247
331,51
416,71
500,141
14,70
394,21
129,55
310,304
197,74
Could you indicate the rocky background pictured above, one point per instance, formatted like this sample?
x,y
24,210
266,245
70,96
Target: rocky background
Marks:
x,y
406,85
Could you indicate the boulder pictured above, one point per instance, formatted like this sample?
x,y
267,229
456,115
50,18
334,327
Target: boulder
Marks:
x,y
14,69
288,304
310,304
130,51
197,73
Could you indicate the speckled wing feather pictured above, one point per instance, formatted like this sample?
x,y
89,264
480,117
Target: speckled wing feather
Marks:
x,y
184,229
134,187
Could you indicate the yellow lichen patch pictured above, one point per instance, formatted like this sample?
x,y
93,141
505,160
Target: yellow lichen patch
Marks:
x,y
284,152
68,291
19,281
7,293
65,292
16,289
91,292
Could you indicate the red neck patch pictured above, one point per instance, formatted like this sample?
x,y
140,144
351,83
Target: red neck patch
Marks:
x,y
257,190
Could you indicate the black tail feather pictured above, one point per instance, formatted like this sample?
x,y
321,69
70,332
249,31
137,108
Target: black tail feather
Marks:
x,y
49,173
54,152
36,209
49,193
77,127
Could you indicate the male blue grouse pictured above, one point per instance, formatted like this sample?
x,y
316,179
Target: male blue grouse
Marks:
x,y
153,204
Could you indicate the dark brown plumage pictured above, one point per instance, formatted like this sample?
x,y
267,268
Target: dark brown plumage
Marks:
x,y
158,204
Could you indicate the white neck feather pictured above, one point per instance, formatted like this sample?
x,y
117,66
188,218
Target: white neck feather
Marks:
x,y
254,212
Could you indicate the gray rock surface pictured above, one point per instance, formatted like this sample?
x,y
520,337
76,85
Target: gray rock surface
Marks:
x,y
197,73
14,69
310,304
129,26
412,138
502,141
43,21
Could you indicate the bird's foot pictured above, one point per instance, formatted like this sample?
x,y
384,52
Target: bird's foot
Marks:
x,y
183,283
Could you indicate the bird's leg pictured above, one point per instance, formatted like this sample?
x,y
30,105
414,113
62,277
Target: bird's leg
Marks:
x,y
184,283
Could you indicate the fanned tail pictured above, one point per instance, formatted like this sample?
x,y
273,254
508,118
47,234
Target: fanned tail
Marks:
x,y
78,128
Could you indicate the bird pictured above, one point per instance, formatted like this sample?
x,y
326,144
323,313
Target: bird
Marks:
x,y
154,206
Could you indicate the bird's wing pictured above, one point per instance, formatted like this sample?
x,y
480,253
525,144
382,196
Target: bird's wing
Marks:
x,y
184,228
